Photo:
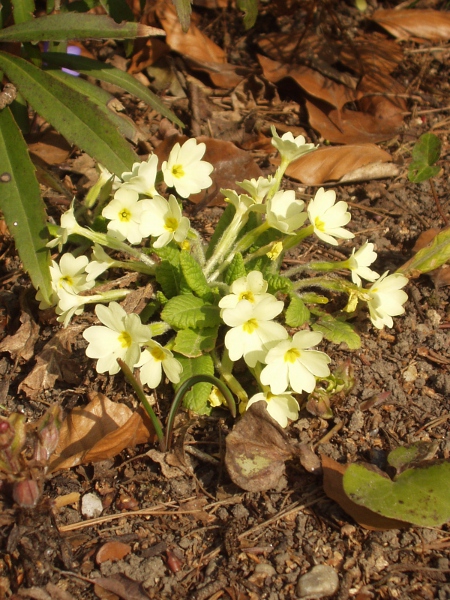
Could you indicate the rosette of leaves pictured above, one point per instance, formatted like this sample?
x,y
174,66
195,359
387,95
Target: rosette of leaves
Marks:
x,y
73,106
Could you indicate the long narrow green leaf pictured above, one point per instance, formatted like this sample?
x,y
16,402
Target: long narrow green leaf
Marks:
x,y
102,99
80,121
23,10
75,26
22,205
108,73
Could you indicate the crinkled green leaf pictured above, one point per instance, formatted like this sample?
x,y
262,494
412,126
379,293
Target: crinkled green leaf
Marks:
x,y
419,495
189,312
250,10
108,73
426,152
434,255
278,283
297,313
197,398
195,342
22,205
171,279
194,276
236,269
75,26
337,331
80,121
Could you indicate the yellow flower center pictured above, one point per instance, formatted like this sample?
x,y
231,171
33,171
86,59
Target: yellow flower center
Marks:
x,y
158,353
250,326
177,171
66,279
124,215
125,339
247,296
291,355
171,224
318,224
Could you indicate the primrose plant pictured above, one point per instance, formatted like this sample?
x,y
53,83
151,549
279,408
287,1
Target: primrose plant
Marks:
x,y
226,301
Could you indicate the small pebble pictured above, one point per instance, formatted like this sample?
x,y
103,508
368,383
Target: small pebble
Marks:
x,y
321,581
91,506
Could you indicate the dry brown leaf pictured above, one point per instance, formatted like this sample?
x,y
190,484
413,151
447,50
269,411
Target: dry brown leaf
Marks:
x,y
332,163
194,45
333,486
21,344
405,23
380,95
112,551
99,431
230,165
122,586
348,126
310,80
373,53
54,363
51,148
256,450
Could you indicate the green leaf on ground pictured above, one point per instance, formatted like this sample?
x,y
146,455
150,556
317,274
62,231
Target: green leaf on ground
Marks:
x,y
426,152
337,331
250,10
189,312
418,495
197,398
195,342
21,204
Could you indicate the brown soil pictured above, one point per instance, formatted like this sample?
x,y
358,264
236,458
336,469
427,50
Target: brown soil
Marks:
x,y
203,538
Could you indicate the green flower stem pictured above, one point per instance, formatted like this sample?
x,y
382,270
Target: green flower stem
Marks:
x,y
243,244
134,265
110,296
277,178
145,403
335,285
225,243
197,246
183,389
225,367
317,266
111,242
294,240
260,252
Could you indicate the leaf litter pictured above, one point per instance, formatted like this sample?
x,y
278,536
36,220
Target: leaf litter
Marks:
x,y
360,433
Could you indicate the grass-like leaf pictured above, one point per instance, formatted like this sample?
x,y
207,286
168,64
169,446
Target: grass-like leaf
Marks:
x,y
21,203
80,121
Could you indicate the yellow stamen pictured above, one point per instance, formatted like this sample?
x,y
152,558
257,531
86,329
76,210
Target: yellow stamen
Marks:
x,y
291,355
124,215
247,296
171,224
125,339
158,353
318,224
177,171
250,326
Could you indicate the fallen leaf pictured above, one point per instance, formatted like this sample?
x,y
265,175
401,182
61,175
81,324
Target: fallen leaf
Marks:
x,y
54,362
21,344
112,551
256,450
348,126
310,80
195,46
404,23
380,95
332,163
99,431
230,165
333,473
51,147
122,586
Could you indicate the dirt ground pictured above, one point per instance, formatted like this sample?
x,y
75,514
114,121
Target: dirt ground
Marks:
x,y
194,534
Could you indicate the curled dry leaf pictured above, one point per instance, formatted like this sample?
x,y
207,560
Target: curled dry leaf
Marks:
x,y
21,344
230,165
122,586
99,431
54,362
256,450
405,23
333,473
197,48
333,163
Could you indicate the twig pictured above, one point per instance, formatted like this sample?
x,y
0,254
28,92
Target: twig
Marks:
x,y
438,204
